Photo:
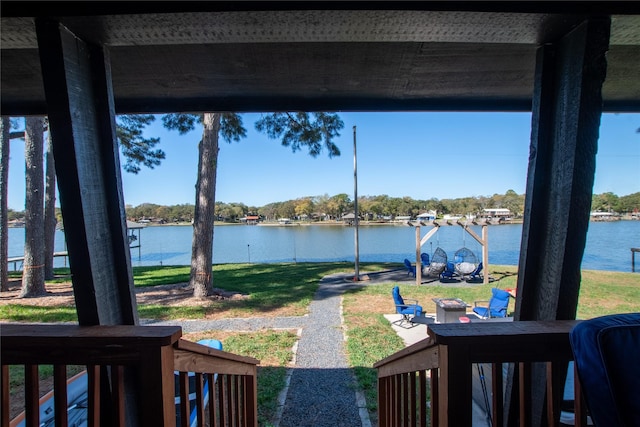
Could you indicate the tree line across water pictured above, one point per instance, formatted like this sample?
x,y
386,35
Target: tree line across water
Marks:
x,y
373,206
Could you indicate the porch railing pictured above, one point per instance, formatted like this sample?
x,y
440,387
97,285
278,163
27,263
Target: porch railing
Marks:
x,y
120,358
430,382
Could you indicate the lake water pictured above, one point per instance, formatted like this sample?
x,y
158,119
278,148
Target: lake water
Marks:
x,y
608,244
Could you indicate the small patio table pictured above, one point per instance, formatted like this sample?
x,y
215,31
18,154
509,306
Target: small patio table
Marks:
x,y
449,310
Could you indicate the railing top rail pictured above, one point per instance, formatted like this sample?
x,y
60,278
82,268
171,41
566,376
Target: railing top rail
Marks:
x,y
79,345
418,347
498,333
489,341
193,347
38,335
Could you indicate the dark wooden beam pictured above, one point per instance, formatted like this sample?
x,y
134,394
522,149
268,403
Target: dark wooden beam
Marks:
x,y
567,106
73,8
79,97
565,126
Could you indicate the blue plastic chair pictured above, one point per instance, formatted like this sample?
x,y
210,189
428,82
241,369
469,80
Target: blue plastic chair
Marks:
x,y
411,269
606,351
406,311
496,307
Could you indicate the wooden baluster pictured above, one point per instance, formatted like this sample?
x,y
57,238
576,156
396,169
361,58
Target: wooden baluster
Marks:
x,y
551,408
117,381
497,416
435,396
93,395
413,407
229,393
389,383
422,378
390,402
580,406
31,396
4,409
222,397
395,398
246,403
185,409
237,399
60,395
213,422
525,398
251,391
382,402
405,400
200,399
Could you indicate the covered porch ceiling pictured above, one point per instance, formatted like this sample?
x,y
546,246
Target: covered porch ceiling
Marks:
x,y
358,56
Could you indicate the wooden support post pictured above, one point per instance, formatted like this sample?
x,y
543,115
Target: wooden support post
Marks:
x,y
565,123
485,253
418,259
567,106
77,83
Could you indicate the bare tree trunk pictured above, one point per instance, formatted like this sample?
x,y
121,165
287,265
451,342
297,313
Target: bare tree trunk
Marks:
x,y
33,270
202,244
49,210
4,207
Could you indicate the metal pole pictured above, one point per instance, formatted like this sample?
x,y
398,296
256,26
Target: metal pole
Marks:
x,y
355,205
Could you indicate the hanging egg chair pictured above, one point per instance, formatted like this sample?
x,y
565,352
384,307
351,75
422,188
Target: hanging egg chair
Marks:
x,y
465,261
438,262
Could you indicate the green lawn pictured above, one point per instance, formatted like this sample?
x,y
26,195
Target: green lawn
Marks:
x,y
273,290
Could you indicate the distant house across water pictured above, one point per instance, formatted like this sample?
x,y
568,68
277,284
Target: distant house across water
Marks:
x,y
250,219
604,216
427,216
500,214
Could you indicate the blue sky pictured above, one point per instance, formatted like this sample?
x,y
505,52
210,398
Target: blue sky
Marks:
x,y
420,155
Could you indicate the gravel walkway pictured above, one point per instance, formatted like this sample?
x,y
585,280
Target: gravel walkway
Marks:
x,y
322,390
322,387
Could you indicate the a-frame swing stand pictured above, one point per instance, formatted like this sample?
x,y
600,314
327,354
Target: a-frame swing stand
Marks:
x,y
483,241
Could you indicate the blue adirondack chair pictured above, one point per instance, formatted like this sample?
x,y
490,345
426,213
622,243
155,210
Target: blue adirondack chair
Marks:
x,y
449,273
496,306
424,257
406,311
475,276
411,269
